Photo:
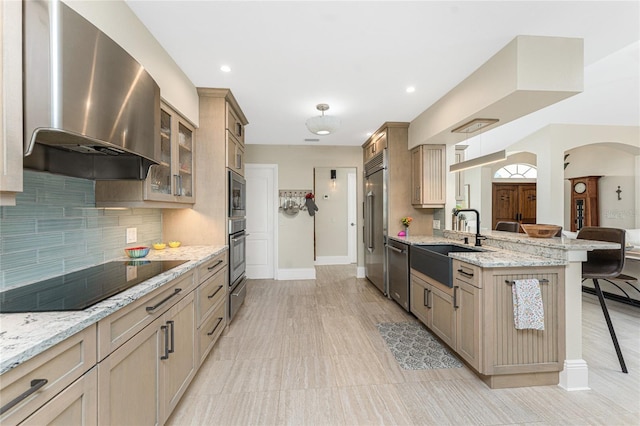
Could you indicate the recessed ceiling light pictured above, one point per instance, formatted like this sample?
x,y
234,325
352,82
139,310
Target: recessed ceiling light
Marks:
x,y
225,68
369,133
411,89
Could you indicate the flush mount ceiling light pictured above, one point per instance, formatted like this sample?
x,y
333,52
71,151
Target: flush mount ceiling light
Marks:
x,y
475,125
323,124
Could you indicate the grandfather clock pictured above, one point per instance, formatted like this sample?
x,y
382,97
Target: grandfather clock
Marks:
x,y
584,202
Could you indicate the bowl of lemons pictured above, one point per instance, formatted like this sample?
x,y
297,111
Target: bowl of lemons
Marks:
x,y
159,246
174,244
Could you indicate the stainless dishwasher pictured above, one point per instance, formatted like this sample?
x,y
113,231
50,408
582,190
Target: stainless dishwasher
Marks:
x,y
398,255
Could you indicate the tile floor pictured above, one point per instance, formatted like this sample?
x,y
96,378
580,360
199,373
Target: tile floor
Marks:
x,y
308,352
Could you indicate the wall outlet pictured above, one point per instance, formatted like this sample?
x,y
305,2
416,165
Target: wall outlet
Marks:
x,y
436,224
132,235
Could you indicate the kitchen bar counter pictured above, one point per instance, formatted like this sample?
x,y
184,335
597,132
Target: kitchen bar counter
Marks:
x,y
25,335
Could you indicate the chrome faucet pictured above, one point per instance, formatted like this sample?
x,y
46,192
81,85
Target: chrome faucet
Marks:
x,y
478,236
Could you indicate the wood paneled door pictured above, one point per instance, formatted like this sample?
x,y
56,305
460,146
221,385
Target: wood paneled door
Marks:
x,y
514,202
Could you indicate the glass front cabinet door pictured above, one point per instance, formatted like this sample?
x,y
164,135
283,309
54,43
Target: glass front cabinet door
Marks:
x,y
172,180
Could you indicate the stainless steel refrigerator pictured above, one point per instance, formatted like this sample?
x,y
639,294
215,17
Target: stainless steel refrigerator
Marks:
x,y
375,232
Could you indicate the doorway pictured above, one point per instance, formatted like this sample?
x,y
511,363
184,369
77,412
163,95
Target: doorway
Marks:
x,y
336,222
513,202
262,224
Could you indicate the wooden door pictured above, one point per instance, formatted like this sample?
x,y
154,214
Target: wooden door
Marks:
x,y
505,203
514,202
527,203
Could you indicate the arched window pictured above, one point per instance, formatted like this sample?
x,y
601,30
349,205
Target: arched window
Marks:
x,y
517,171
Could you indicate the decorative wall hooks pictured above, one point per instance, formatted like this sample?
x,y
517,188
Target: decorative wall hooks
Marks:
x,y
292,201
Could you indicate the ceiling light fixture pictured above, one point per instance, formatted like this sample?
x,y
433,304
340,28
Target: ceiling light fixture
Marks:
x,y
225,68
475,125
323,124
411,89
479,161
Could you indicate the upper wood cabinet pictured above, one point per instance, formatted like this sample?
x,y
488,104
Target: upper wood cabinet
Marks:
x,y
11,137
170,184
234,125
428,176
374,146
514,203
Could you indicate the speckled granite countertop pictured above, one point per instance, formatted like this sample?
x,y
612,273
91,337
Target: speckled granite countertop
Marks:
x,y
23,336
508,249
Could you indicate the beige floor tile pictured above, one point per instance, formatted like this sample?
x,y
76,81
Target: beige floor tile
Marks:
x,y
260,346
254,375
373,405
310,407
308,372
300,345
359,369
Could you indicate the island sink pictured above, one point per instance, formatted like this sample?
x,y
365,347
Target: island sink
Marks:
x,y
433,260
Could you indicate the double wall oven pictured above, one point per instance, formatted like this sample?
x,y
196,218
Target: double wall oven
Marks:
x,y
237,242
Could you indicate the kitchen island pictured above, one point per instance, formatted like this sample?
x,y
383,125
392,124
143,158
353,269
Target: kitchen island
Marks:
x,y
518,251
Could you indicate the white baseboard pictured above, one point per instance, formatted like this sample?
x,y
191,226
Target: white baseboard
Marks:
x,y
360,272
297,274
332,260
575,375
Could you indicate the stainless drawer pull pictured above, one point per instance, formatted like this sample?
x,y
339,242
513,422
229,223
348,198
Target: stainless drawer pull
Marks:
x,y
35,384
166,341
150,309
215,292
466,274
211,268
397,250
215,328
455,297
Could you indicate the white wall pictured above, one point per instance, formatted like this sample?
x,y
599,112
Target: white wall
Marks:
x,y
117,21
296,164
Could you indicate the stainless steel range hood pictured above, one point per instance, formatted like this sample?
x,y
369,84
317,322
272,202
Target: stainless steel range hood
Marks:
x,y
90,110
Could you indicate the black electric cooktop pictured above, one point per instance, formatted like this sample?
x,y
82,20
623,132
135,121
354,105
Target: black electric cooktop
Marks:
x,y
79,290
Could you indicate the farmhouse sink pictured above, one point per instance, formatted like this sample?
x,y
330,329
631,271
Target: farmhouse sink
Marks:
x,y
433,260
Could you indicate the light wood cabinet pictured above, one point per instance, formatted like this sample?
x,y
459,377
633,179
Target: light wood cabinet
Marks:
x,y
374,146
76,405
11,133
211,302
142,381
514,203
37,381
428,176
475,319
234,124
170,184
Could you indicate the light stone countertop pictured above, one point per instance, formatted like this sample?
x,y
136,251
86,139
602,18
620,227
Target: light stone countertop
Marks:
x,y
25,335
508,249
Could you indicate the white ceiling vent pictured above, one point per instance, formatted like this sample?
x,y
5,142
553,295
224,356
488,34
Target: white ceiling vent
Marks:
x,y
529,73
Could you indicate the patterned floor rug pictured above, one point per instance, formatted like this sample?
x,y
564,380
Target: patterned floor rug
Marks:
x,y
415,348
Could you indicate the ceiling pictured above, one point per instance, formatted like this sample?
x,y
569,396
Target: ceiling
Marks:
x,y
360,56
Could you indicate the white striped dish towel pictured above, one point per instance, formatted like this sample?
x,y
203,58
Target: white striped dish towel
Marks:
x,y
528,312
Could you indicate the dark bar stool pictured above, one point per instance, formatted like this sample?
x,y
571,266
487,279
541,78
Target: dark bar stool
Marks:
x,y
606,265
508,226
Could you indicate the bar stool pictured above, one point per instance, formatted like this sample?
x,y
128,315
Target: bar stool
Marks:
x,y
606,265
508,226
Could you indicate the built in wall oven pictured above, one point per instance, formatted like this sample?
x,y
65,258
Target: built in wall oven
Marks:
x,y
237,264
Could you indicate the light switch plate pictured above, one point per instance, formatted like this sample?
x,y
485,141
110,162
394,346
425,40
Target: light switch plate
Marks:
x,y
132,235
436,224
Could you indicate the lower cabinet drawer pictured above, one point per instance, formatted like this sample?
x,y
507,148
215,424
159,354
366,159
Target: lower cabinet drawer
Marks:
x,y
76,405
120,326
32,384
210,293
211,330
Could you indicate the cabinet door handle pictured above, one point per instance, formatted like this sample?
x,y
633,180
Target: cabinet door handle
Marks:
x,y
215,328
211,268
455,297
427,292
466,274
173,346
166,341
215,292
150,309
397,250
35,385
239,129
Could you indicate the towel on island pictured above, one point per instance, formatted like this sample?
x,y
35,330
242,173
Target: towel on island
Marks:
x,y
528,312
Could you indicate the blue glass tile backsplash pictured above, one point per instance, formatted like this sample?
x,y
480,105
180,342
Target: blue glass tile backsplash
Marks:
x,y
55,228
